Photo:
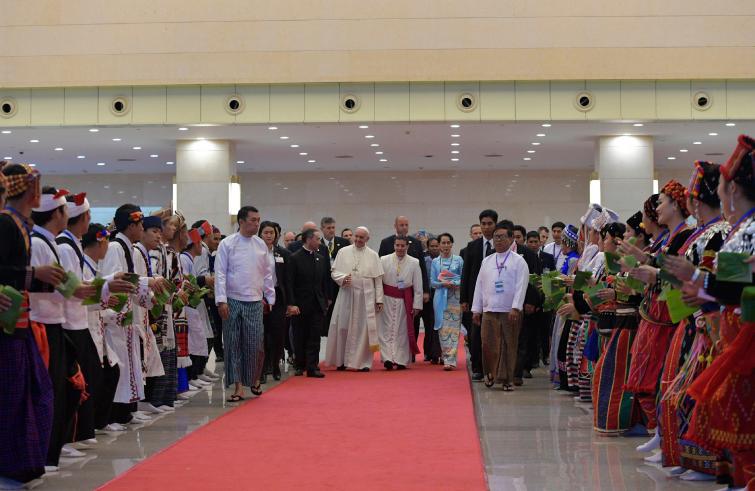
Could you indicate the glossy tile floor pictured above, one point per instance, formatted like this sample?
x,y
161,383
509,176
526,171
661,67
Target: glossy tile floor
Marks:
x,y
537,439
533,439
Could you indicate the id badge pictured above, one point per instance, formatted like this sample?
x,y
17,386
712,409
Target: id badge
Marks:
x,y
499,286
400,284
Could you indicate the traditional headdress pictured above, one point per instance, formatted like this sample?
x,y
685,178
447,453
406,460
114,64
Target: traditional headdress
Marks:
x,y
591,214
703,185
194,236
52,201
745,146
571,236
648,208
18,183
152,222
635,223
604,218
674,190
205,229
3,181
126,215
78,204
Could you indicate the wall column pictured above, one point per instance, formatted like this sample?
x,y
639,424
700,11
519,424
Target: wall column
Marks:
x,y
625,169
204,172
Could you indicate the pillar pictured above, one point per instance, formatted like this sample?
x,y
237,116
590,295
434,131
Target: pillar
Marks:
x,y
625,169
204,172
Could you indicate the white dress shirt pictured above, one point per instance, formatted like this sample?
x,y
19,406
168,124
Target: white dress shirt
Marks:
x,y
46,308
77,315
243,270
514,274
555,250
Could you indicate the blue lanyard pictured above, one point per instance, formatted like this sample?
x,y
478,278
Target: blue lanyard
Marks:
x,y
739,222
91,268
21,218
502,265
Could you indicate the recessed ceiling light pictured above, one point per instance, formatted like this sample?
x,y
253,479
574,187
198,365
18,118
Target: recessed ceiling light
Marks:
x,y
154,156
369,136
273,128
670,158
455,144
332,178
530,151
58,149
34,141
311,161
638,125
284,138
183,128
454,160
384,160
540,135
100,164
32,165
697,143
7,158
374,144
7,132
454,151
136,148
526,158
683,150
294,145
731,124
546,125
378,153
712,134
285,188
81,156
169,163
116,139
455,136
93,130
240,162
303,153
363,126
535,143
455,126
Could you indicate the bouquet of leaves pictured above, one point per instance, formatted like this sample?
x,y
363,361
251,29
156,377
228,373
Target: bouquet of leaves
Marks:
x,y
121,303
731,266
581,280
613,264
69,285
98,283
748,304
161,299
553,289
195,292
592,294
9,318
677,309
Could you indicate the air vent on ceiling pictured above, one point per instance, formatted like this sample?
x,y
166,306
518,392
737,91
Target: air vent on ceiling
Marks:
x,y
714,154
429,156
126,160
493,155
344,156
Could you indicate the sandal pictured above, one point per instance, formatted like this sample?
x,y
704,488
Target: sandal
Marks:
x,y
489,381
235,398
257,390
508,388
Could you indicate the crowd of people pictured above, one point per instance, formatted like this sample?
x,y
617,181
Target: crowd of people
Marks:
x,y
646,319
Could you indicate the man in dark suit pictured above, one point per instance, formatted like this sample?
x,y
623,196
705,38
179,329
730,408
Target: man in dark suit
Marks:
x,y
474,253
401,225
275,321
331,244
299,242
307,299
542,320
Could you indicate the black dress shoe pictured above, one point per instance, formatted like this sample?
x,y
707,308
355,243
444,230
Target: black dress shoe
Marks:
x,y
400,367
526,374
298,372
477,377
316,374
263,378
341,368
388,365
365,369
427,358
277,375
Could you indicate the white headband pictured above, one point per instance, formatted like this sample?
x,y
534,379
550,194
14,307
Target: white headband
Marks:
x,y
48,202
74,208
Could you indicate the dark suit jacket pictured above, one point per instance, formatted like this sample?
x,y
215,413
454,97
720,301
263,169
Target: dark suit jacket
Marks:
x,y
338,244
473,257
281,273
415,250
548,261
297,244
308,281
532,296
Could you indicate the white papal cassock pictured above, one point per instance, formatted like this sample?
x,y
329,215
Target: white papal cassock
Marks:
x,y
352,336
393,322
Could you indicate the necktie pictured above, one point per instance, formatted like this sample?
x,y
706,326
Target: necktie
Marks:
x,y
488,249
330,247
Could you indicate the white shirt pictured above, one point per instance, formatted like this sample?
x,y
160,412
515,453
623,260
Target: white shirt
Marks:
x,y
514,275
77,315
46,308
202,262
555,250
243,270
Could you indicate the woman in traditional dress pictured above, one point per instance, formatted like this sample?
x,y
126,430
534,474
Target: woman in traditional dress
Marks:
x,y
445,278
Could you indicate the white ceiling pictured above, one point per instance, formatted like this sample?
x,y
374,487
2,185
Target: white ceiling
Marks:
x,y
482,146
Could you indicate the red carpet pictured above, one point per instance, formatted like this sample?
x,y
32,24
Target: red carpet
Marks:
x,y
413,429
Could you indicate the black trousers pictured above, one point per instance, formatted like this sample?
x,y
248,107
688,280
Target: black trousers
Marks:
x,y
544,331
103,398
89,362
217,328
431,343
275,335
62,417
198,364
475,342
307,339
121,412
527,349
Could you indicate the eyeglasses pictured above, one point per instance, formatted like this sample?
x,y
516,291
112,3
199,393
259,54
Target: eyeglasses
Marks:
x,y
500,237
